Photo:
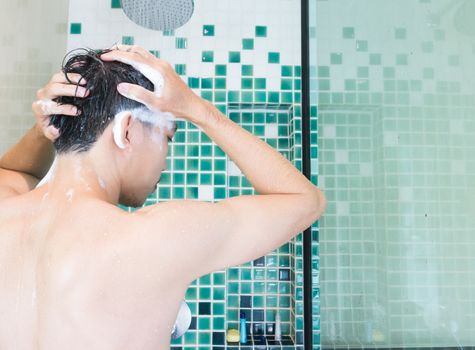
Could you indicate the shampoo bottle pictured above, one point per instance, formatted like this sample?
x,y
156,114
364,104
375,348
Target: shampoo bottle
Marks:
x,y
242,327
278,335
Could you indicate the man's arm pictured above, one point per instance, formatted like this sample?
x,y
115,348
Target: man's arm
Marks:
x,y
25,163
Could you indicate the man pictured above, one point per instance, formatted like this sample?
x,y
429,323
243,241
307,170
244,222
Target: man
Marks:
x,y
76,271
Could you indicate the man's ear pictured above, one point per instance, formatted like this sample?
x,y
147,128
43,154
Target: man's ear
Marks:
x,y
120,130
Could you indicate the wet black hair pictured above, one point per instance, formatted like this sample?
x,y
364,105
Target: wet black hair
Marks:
x,y
79,133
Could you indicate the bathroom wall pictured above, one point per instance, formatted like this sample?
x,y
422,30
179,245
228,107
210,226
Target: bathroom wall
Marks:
x,y
244,56
33,39
396,142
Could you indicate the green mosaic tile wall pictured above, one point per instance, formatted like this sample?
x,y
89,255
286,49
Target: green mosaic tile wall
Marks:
x,y
396,137
253,76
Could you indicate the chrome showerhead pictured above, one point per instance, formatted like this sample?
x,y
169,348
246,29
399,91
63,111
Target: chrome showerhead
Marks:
x,y
159,14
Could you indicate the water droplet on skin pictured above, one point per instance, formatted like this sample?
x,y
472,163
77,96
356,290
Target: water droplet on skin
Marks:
x,y
102,183
70,194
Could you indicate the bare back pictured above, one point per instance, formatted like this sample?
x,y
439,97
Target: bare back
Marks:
x,y
71,277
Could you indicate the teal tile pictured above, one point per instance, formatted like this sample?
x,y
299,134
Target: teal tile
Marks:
x,y
348,32
454,60
247,70
75,28
260,83
297,71
374,59
427,46
220,96
156,53
273,57
261,31
220,70
439,34
207,56
428,73
323,84
233,96
273,97
218,323
163,192
400,33
208,30
247,44
180,43
286,84
389,72
247,96
286,71
246,83
234,57
180,69
323,71
286,97
207,95
401,59
206,83
362,72
220,192
128,40
361,45
336,58
350,84
115,4
260,96
168,33
220,83
297,84
193,82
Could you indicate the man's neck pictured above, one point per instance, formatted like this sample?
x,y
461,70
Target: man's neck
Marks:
x,y
82,174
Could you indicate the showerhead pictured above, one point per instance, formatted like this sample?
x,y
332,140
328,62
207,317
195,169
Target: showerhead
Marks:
x,y
159,14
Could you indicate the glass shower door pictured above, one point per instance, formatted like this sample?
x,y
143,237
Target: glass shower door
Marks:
x,y
395,88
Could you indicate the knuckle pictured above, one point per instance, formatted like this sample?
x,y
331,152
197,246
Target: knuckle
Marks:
x,y
56,76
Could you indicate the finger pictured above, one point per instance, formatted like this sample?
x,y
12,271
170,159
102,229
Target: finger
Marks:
x,y
123,56
54,90
139,94
140,50
123,47
48,107
73,77
135,59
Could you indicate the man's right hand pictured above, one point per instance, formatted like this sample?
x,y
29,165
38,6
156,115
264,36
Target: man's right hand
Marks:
x,y
44,106
176,97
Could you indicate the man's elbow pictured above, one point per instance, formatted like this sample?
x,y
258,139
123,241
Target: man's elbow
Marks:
x,y
320,203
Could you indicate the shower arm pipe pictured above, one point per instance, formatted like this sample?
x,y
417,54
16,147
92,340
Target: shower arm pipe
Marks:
x,y
307,234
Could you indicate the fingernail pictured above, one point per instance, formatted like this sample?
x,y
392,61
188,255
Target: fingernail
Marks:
x,y
123,88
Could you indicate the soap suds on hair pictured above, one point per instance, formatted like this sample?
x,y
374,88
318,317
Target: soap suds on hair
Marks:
x,y
47,106
156,119
153,75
